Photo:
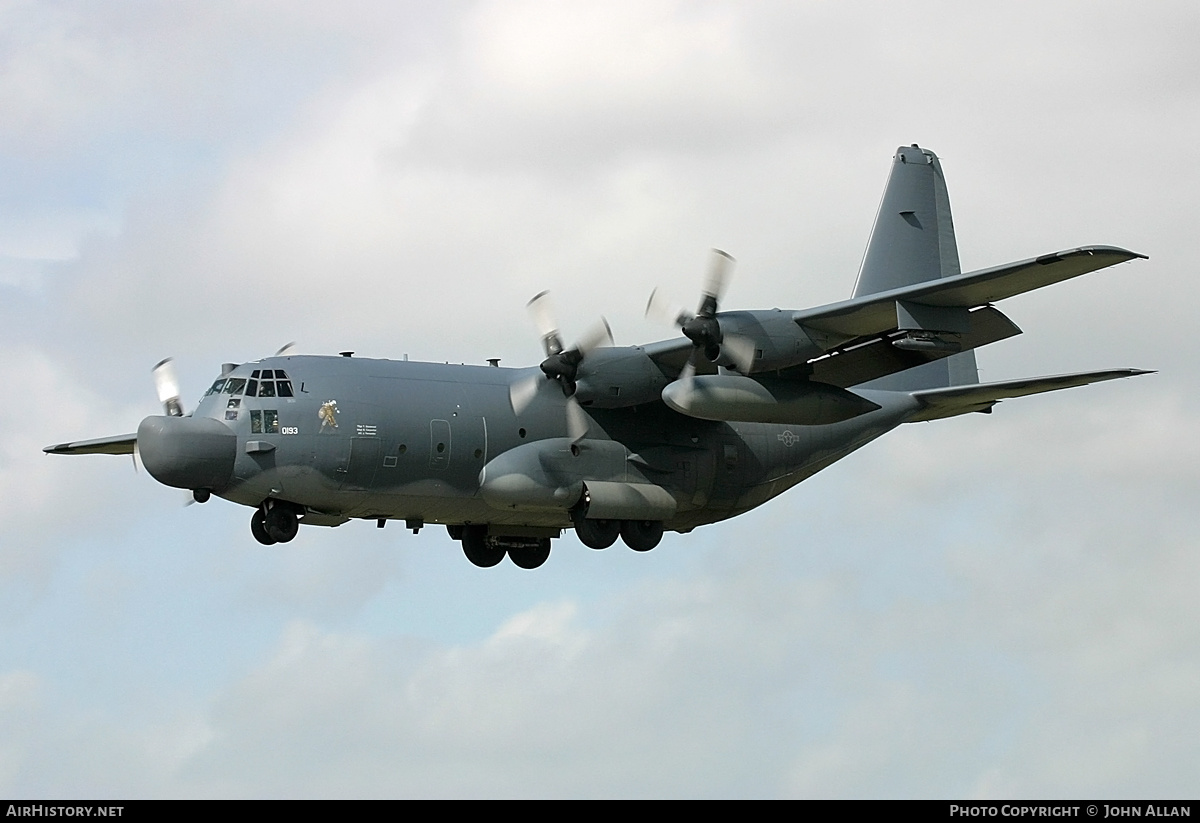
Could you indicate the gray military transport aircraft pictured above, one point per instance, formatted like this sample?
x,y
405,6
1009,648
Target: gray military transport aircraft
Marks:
x,y
613,441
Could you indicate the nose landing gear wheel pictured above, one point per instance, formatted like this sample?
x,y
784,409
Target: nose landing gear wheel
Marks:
x,y
282,522
479,549
258,528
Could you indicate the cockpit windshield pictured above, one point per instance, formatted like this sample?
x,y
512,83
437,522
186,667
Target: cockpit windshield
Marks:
x,y
261,383
272,383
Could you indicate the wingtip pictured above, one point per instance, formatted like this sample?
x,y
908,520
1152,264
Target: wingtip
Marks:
x,y
1104,249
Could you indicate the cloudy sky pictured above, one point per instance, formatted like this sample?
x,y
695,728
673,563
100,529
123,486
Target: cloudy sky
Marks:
x,y
995,606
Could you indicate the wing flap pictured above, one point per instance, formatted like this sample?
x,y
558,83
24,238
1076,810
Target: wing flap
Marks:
x,y
876,313
949,402
117,444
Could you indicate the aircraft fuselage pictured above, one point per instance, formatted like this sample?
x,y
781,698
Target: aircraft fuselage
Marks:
x,y
387,439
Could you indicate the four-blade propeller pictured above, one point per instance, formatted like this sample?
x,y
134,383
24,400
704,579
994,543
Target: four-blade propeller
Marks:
x,y
704,327
561,364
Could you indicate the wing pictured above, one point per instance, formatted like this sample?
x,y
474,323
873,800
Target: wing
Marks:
x,y
848,343
980,397
671,355
876,314
118,444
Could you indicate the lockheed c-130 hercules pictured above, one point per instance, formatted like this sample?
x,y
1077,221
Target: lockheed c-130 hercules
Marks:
x,y
613,441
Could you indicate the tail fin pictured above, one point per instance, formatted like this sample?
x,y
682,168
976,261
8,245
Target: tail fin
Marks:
x,y
913,242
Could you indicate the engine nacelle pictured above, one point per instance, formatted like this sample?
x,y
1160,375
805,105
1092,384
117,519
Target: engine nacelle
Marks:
x,y
735,398
549,474
777,341
614,378
558,474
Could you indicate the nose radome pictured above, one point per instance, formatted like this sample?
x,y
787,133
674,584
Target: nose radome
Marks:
x,y
187,452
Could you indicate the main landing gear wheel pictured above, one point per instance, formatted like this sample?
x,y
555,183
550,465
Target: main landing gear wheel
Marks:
x,y
282,523
479,549
532,556
641,535
258,528
597,534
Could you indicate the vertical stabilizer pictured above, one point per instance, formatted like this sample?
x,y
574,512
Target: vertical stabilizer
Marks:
x,y
913,242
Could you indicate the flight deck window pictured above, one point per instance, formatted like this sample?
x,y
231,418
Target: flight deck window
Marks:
x,y
235,385
216,387
266,389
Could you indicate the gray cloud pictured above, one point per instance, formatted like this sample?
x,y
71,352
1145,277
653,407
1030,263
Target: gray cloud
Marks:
x,y
989,606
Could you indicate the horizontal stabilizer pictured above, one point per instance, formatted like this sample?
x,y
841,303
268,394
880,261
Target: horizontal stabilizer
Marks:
x,y
119,444
955,400
876,313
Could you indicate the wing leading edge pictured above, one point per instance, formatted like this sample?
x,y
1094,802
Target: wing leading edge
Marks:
x,y
117,444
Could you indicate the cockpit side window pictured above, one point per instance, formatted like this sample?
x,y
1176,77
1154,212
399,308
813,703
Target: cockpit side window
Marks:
x,y
216,387
235,385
